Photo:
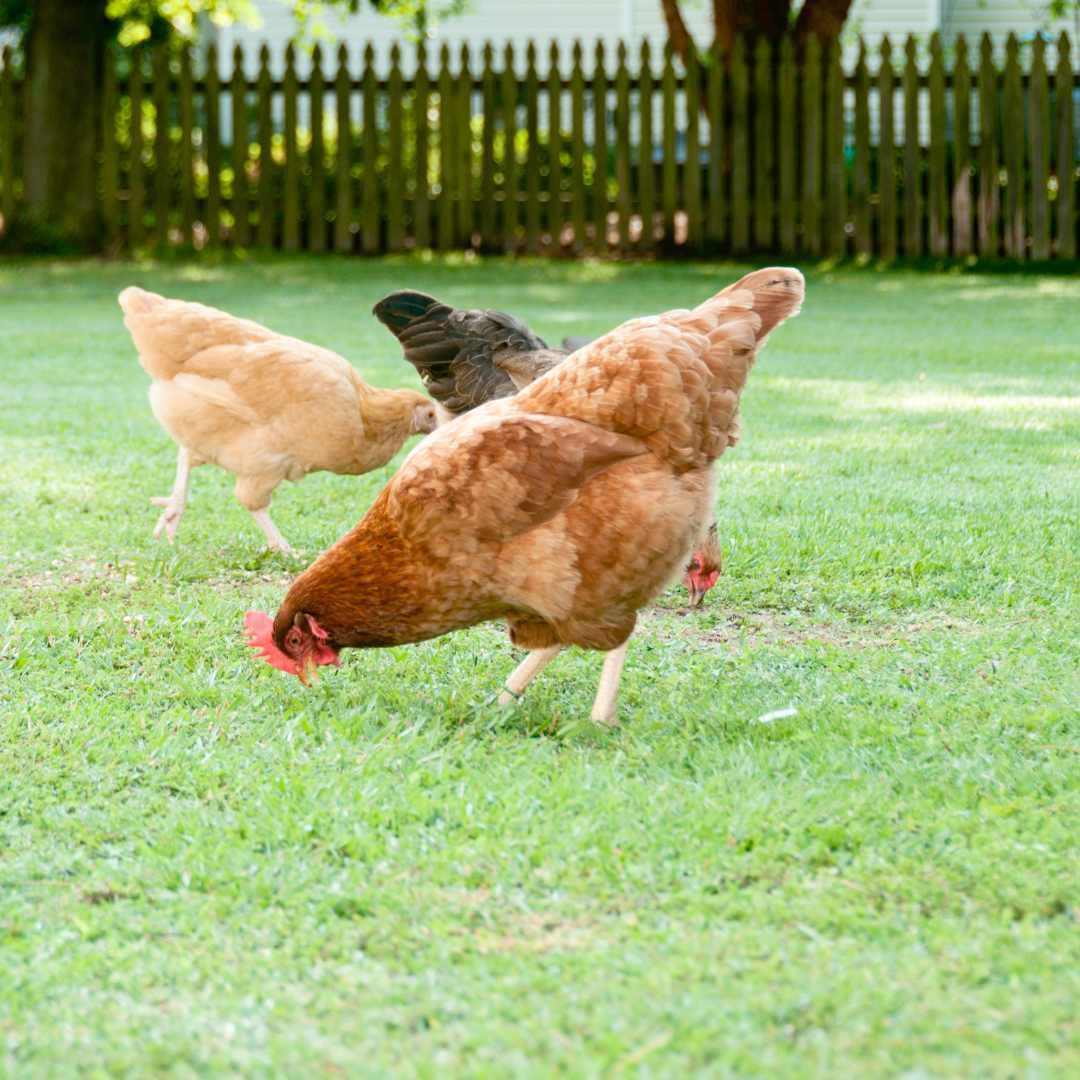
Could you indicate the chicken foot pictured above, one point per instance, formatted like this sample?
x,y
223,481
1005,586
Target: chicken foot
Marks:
x,y
526,671
175,502
274,539
603,710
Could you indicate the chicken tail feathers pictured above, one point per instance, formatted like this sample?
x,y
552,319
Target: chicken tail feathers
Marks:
x,y
674,380
455,352
399,310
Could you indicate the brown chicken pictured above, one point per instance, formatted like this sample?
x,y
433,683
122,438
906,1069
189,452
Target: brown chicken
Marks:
x,y
467,358
562,510
262,406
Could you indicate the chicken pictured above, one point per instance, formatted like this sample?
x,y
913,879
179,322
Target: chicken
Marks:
x,y
704,567
563,509
467,358
260,405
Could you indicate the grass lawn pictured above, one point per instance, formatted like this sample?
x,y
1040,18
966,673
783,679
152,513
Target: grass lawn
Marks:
x,y
205,868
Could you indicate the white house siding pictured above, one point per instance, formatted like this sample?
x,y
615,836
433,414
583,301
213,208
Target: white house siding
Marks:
x,y
499,21
999,18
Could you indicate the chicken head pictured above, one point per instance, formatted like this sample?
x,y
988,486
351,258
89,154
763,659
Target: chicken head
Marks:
x,y
305,648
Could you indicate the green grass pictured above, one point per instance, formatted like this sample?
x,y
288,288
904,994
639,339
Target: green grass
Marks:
x,y
205,868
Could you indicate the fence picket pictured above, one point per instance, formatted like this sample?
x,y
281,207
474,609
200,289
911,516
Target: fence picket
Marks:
x,y
695,233
369,182
1038,128
622,147
187,151
463,144
1012,130
290,235
488,219
136,166
444,208
510,170
239,201
811,136
556,213
421,198
764,146
162,165
395,191
913,200
600,151
988,150
316,236
938,186
578,192
668,177
740,149
266,199
1066,153
961,179
212,150
343,208
835,168
887,240
532,159
787,147
864,240
646,170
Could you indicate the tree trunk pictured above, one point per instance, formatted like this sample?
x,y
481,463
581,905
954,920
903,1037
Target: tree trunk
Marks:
x,y
767,17
65,55
823,18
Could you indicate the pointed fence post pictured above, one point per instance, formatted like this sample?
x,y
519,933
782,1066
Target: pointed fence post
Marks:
x,y
938,186
989,232
290,237
646,168
212,134
1038,128
887,240
316,237
961,179
267,167
1066,153
1012,130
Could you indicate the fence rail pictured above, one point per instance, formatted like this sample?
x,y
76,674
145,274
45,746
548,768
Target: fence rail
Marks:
x,y
774,149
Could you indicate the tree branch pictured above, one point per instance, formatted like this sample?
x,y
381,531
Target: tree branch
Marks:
x,y
681,42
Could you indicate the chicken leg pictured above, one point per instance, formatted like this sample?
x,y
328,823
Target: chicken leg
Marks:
x,y
526,671
175,502
253,493
603,710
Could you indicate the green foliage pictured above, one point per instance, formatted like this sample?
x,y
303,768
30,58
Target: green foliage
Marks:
x,y
208,870
140,20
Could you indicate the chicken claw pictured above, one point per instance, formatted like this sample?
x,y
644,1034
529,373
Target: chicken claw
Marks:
x,y
175,502
169,521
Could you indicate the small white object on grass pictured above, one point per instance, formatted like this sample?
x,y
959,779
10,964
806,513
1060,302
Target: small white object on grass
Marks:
x,y
777,714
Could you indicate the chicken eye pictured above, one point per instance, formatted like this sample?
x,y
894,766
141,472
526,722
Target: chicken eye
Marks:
x,y
694,567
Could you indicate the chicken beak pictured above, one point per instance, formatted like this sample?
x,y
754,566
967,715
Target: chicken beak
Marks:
x,y
309,672
697,596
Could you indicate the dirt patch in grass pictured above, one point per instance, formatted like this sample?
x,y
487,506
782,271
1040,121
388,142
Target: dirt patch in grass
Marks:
x,y
533,932
758,629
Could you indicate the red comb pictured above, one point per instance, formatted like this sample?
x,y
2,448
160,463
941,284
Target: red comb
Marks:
x,y
260,634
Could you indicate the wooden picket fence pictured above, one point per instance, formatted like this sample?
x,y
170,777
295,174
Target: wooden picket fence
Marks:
x,y
764,150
